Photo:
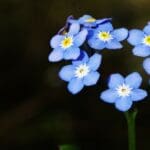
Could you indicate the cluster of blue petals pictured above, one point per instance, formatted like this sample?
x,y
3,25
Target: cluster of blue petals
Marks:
x,y
113,42
83,21
136,39
71,52
74,40
131,84
140,39
76,83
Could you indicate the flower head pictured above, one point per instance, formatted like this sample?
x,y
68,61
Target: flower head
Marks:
x,y
104,36
82,72
124,91
141,40
66,45
146,65
89,21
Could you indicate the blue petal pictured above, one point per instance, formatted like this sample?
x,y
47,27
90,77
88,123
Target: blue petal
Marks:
x,y
147,29
88,25
74,29
120,34
109,96
135,37
56,40
91,78
96,43
146,65
113,44
56,55
134,80
83,58
123,104
72,21
104,20
141,50
67,73
95,61
80,38
72,53
75,85
115,80
138,94
105,27
90,33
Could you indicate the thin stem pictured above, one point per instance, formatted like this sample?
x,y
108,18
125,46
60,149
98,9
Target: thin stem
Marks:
x,y
130,117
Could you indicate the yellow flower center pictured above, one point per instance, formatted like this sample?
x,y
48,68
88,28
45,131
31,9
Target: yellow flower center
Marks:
x,y
90,20
147,40
67,42
104,36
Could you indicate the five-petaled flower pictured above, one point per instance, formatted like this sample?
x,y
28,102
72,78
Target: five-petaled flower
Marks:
x,y
66,46
89,21
104,36
141,40
124,91
81,73
146,65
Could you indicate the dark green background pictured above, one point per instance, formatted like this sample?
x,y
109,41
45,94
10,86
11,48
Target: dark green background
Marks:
x,y
36,110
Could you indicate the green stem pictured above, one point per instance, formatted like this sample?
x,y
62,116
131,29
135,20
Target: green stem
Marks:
x,y
130,117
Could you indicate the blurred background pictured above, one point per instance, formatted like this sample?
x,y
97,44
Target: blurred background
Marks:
x,y
36,110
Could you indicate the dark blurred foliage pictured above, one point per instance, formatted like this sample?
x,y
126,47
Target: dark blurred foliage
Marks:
x,y
36,110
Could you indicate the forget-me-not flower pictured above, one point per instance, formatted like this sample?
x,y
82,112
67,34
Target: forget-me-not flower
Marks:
x,y
124,91
81,73
66,46
89,21
146,65
105,36
141,40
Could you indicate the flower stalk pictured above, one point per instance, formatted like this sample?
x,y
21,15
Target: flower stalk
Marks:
x,y
130,117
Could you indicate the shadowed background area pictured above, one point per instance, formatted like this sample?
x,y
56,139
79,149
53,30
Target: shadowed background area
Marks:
x,y
36,110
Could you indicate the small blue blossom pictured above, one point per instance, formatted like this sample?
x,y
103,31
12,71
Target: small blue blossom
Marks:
x,y
66,46
146,65
89,21
141,40
105,36
81,73
124,91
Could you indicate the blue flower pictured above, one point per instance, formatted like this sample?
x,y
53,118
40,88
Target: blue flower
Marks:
x,y
106,37
146,65
81,73
89,21
141,40
124,91
66,46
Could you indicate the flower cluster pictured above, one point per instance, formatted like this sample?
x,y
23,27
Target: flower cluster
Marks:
x,y
72,43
